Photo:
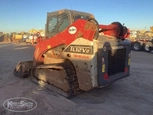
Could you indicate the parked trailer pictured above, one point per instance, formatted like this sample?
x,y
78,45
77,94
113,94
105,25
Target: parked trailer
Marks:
x,y
142,44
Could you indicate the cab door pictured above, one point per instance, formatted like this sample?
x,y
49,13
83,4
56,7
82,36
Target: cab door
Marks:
x,y
56,23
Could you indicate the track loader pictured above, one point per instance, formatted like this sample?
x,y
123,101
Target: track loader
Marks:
x,y
78,54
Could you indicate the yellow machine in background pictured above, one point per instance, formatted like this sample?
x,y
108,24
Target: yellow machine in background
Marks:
x,y
17,36
33,34
34,31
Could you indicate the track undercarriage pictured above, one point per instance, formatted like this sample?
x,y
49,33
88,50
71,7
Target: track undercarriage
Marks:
x,y
60,78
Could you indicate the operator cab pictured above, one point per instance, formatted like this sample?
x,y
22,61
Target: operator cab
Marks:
x,y
59,20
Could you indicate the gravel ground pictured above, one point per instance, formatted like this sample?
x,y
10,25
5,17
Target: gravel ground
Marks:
x,y
129,96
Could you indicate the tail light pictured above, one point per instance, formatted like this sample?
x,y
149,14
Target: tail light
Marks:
x,y
126,70
106,76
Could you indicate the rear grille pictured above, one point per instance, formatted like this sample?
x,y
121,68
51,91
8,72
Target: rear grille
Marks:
x,y
116,61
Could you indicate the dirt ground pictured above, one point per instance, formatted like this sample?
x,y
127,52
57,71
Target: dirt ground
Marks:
x,y
130,96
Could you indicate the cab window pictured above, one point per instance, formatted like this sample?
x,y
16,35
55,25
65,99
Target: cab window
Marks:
x,y
58,23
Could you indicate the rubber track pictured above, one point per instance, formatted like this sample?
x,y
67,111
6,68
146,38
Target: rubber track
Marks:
x,y
71,77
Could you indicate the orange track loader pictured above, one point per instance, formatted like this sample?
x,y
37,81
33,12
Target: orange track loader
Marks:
x,y
78,54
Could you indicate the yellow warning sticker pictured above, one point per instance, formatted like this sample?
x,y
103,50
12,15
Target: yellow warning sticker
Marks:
x,y
49,46
103,68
